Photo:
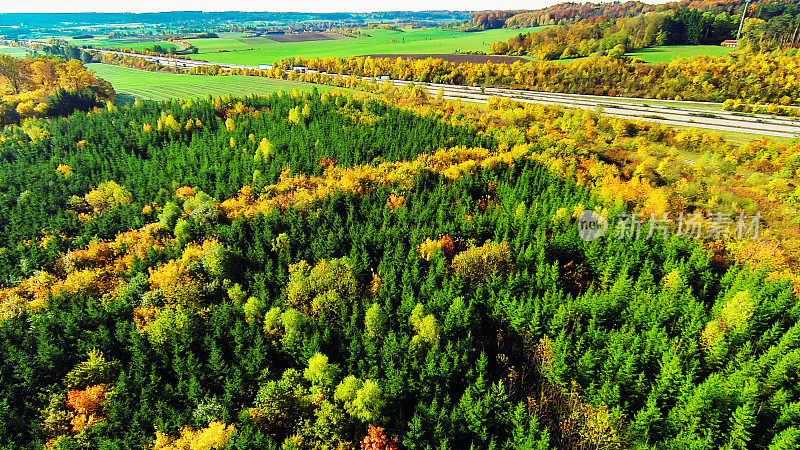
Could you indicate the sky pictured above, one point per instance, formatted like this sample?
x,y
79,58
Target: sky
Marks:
x,y
37,6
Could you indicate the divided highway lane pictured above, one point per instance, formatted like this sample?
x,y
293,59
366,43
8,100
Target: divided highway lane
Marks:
x,y
681,114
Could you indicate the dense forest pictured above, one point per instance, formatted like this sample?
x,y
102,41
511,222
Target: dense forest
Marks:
x,y
774,25
614,29
313,270
601,36
569,12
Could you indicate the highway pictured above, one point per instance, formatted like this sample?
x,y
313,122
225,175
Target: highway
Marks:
x,y
678,113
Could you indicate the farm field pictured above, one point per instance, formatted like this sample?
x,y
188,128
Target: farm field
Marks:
x,y
133,83
114,43
13,51
668,53
428,40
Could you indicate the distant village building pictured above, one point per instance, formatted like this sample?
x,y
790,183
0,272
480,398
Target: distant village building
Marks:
x,y
265,67
731,43
299,69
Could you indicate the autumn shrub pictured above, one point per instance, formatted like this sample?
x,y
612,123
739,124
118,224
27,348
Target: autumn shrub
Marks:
x,y
95,370
178,285
95,255
319,371
213,437
727,329
280,404
106,196
88,405
167,326
375,321
273,328
321,289
254,310
57,417
361,399
477,263
207,411
219,262
169,215
426,328
376,439
294,329
429,246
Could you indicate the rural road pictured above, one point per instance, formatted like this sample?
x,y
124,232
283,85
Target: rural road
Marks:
x,y
678,113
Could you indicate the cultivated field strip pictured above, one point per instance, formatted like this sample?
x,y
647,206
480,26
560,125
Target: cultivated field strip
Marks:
x,y
164,86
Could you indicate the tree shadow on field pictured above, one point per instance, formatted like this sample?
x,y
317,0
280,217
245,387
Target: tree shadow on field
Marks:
x,y
123,99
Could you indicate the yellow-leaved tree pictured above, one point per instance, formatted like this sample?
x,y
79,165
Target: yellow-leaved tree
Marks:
x,y
106,196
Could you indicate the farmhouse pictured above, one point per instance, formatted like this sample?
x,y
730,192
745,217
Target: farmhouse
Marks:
x,y
731,43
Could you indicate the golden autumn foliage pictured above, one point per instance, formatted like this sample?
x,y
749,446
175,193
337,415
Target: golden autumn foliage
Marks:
x,y
479,262
181,281
428,246
323,288
143,316
184,192
734,318
65,170
769,77
213,437
395,201
96,254
88,406
107,195
28,82
302,191
96,270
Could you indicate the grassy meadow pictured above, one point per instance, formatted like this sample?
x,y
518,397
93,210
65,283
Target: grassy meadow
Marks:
x,y
17,52
133,83
668,53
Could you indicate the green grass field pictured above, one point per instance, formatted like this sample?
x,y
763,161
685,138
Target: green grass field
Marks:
x,y
107,43
133,83
668,53
427,40
17,52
